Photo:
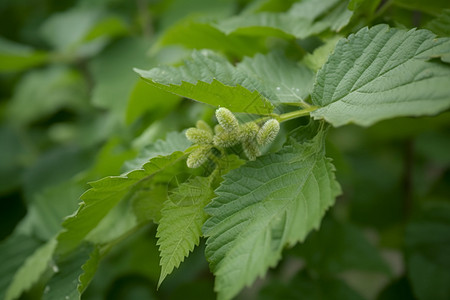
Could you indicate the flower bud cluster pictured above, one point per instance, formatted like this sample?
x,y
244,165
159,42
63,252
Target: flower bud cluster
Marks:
x,y
229,133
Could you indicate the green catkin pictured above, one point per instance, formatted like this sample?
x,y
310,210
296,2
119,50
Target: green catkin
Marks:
x,y
251,149
199,136
268,132
198,156
218,129
226,139
249,131
227,120
204,126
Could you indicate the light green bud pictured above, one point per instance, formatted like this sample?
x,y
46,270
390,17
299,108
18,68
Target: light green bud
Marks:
x,y
204,126
198,156
251,149
249,131
226,139
199,136
268,132
218,129
227,120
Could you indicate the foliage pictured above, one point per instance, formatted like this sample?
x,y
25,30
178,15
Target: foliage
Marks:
x,y
225,149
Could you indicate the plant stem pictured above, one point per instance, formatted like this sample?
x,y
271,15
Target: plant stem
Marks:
x,y
295,114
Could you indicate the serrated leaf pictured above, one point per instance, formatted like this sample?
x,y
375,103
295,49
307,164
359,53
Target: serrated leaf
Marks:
x,y
263,206
174,141
179,229
427,241
31,271
303,19
104,195
13,252
380,73
248,87
73,274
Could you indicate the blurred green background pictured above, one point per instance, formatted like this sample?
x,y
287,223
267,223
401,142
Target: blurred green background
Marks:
x,y
72,111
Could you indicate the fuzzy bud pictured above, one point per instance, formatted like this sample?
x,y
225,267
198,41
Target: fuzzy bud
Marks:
x,y
218,129
251,149
227,120
203,126
226,139
249,131
198,156
268,132
199,136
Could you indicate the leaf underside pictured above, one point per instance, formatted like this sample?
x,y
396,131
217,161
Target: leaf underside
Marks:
x,y
380,73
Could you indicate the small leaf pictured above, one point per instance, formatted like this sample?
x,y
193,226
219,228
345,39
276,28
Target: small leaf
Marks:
x,y
179,229
105,194
381,73
263,206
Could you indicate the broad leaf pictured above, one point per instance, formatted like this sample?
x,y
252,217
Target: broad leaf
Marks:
x,y
31,271
248,87
427,242
73,273
303,19
262,207
106,194
179,229
380,73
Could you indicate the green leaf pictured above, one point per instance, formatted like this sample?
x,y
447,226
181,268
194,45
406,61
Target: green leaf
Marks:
x,y
16,57
179,229
145,98
262,207
174,141
304,18
381,73
304,287
432,6
441,24
31,271
351,250
196,35
42,92
248,87
73,274
427,240
105,194
13,253
114,81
